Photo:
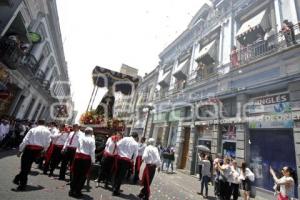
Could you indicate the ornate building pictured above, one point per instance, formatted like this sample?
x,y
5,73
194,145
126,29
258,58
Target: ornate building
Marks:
x,y
231,82
32,55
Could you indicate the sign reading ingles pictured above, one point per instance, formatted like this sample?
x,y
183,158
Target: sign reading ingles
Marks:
x,y
268,100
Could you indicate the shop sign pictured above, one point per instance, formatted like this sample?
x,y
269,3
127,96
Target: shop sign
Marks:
x,y
271,104
272,124
275,99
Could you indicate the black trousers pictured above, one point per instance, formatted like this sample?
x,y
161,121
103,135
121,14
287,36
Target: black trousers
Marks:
x,y
55,159
105,173
123,167
79,174
235,191
225,191
144,193
67,158
28,157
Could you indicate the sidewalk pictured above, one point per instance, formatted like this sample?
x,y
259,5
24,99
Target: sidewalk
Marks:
x,y
192,184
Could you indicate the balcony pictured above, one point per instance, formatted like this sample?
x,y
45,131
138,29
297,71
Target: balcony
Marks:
x,y
11,54
261,48
40,76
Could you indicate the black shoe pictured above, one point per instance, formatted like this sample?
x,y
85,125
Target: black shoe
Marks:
x,y
106,185
140,196
15,181
116,193
21,188
50,174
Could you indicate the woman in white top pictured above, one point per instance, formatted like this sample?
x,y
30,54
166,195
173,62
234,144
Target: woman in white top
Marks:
x,y
234,180
286,183
246,178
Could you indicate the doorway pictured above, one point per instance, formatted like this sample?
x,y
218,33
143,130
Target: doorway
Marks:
x,y
185,147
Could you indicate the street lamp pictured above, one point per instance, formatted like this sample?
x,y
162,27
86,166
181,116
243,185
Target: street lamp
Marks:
x,y
148,108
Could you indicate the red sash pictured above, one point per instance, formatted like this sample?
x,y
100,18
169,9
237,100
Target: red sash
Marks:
x,y
49,153
117,158
81,156
34,147
146,177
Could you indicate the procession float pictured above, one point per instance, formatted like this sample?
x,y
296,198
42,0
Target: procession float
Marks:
x,y
102,117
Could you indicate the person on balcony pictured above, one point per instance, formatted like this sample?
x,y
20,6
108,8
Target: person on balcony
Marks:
x,y
288,32
234,58
270,39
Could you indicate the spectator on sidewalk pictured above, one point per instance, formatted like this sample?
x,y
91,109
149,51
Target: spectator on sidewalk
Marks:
x,y
223,178
171,158
234,180
246,177
206,174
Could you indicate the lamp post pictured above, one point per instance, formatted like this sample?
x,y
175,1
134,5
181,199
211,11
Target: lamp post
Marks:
x,y
148,108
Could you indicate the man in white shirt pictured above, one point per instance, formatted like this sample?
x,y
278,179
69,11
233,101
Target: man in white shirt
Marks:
x,y
152,160
69,150
138,161
127,153
108,159
54,131
58,140
84,157
34,143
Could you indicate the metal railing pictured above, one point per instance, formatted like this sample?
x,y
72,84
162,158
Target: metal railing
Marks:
x,y
31,63
275,43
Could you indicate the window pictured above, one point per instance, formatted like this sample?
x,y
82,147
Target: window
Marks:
x,y
229,107
46,50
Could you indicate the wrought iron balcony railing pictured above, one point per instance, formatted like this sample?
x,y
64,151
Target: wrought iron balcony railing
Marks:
x,y
261,48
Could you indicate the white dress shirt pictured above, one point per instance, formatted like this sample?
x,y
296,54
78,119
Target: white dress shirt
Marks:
x,y
39,135
142,147
127,148
110,147
151,156
86,145
54,131
59,138
72,141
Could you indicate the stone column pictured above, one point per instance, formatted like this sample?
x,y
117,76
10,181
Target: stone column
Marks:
x,y
215,147
179,145
294,89
240,143
192,150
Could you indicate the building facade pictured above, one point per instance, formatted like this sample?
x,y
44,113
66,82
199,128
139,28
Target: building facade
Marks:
x,y
231,82
33,58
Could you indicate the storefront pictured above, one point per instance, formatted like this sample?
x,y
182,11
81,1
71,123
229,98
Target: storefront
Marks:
x,y
228,140
270,138
160,128
204,134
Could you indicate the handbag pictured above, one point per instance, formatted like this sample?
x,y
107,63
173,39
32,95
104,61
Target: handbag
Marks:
x,y
281,197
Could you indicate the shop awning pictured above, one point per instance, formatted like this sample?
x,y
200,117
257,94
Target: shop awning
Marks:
x,y
165,79
181,72
248,32
208,53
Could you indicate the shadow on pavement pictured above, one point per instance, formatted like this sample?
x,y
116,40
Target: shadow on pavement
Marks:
x,y
129,196
34,173
7,153
29,188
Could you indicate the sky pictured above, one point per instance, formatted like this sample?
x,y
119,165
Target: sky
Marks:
x,y
109,33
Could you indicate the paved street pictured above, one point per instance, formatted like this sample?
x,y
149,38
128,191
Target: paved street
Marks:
x,y
166,186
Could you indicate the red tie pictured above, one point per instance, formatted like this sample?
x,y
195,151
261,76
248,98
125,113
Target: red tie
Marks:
x,y
72,138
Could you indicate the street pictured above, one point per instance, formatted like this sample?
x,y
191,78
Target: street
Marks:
x,y
165,186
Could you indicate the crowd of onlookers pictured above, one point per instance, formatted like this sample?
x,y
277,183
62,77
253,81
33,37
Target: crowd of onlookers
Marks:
x,y
231,180
12,131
